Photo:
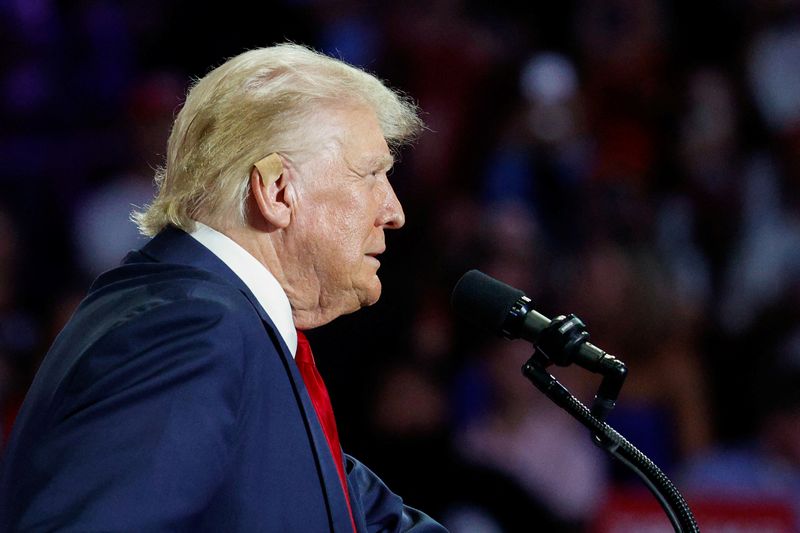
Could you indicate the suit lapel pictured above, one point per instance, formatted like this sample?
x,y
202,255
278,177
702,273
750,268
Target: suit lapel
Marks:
x,y
175,246
337,505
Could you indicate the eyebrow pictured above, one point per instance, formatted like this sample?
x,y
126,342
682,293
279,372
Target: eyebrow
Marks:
x,y
368,164
385,161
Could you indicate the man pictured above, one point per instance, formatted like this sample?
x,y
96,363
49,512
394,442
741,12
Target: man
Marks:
x,y
171,401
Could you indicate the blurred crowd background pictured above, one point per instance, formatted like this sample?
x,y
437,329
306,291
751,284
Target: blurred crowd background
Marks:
x,y
635,162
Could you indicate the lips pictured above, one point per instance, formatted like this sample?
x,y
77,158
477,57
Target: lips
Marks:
x,y
374,257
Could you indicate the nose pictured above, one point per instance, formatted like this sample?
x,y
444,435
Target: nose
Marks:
x,y
392,215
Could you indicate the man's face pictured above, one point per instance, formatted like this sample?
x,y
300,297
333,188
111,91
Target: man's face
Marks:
x,y
344,202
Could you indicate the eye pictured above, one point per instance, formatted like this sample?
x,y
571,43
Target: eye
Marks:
x,y
383,172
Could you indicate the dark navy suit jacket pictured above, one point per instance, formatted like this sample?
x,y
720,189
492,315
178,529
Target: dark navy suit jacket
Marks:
x,y
170,402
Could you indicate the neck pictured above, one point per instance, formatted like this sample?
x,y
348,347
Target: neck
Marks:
x,y
302,291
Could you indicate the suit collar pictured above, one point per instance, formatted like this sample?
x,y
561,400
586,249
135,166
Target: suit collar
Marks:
x,y
174,246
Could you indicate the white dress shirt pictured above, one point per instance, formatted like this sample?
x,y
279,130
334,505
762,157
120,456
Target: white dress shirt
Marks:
x,y
258,279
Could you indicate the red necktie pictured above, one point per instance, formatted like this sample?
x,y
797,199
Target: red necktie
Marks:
x,y
322,405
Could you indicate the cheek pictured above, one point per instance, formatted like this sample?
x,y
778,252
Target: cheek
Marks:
x,y
344,234
339,240
351,225
338,233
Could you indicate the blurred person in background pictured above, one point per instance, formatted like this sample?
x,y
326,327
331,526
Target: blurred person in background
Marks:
x,y
765,259
626,299
452,60
542,159
182,394
104,210
416,413
506,427
527,438
412,421
762,466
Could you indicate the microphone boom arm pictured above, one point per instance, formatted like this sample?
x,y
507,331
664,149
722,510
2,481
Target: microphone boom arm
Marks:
x,y
667,494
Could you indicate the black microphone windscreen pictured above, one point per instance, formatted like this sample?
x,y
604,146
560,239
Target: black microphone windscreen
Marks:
x,y
483,300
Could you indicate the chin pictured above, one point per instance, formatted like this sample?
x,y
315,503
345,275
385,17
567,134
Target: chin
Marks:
x,y
371,293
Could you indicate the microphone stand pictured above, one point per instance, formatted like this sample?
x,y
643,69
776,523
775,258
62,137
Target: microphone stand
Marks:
x,y
558,344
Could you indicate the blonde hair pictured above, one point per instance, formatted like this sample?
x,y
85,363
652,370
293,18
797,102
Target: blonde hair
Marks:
x,y
256,103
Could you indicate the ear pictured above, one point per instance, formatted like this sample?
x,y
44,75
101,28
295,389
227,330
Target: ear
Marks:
x,y
268,187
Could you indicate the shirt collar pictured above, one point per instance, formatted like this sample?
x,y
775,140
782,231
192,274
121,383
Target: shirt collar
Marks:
x,y
258,279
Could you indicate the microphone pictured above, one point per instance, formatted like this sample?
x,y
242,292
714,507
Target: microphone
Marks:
x,y
505,310
491,304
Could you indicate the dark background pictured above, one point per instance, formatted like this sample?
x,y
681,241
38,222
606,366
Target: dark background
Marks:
x,y
636,162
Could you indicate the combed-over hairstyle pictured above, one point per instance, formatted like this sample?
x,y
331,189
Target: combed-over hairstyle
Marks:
x,y
256,103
